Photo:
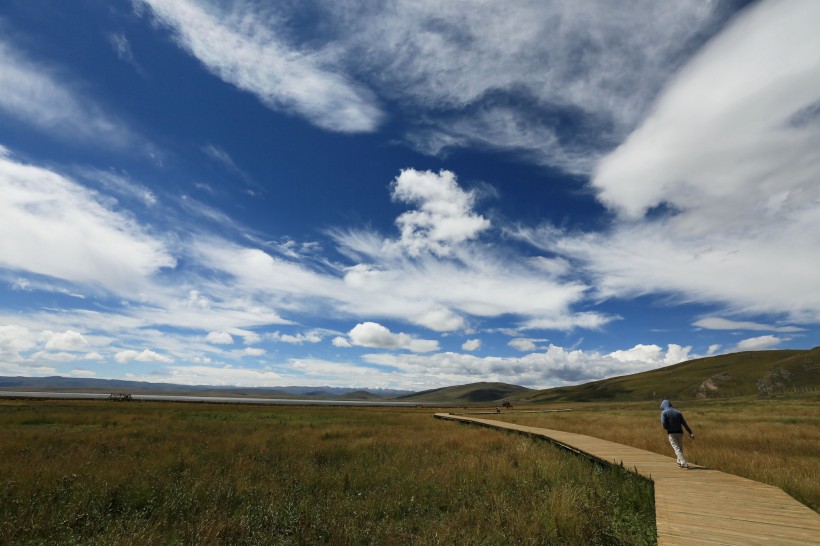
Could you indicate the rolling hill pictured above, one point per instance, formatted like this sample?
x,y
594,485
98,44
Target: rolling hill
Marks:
x,y
736,374
473,393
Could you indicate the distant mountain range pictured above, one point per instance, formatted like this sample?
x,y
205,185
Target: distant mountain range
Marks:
x,y
68,384
736,374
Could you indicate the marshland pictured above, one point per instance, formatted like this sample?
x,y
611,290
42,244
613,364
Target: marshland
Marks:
x,y
95,472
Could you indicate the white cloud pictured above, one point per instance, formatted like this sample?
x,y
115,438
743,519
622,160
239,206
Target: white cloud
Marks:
x,y
43,356
118,184
554,366
242,47
220,338
146,355
523,344
371,334
80,372
65,341
729,154
122,47
53,226
14,340
471,345
717,323
758,343
341,342
313,336
33,93
653,354
251,351
465,70
443,217
221,375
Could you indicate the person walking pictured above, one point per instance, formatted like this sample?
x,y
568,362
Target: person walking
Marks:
x,y
673,423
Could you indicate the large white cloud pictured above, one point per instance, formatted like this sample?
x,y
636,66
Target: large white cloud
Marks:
x,y
374,335
512,75
728,159
509,76
53,226
239,47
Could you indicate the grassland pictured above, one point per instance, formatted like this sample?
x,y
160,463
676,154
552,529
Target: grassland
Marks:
x,y
736,374
774,440
86,472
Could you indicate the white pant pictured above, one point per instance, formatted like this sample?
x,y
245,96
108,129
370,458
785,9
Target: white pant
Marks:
x,y
676,439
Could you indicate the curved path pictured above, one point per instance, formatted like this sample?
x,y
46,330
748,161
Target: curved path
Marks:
x,y
696,506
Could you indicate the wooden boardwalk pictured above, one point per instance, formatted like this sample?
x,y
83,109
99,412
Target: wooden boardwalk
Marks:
x,y
697,506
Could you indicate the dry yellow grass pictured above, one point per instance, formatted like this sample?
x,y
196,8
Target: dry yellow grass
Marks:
x,y
106,473
772,440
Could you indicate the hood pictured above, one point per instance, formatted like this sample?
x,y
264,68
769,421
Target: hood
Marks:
x,y
666,404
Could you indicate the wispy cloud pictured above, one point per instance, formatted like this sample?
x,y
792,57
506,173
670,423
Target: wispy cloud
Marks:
x,y
240,48
39,95
562,82
717,323
122,47
53,226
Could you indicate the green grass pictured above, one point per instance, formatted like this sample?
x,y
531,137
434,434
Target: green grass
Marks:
x,y
90,472
735,374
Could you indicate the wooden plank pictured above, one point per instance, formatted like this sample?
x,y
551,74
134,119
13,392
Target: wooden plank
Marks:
x,y
696,506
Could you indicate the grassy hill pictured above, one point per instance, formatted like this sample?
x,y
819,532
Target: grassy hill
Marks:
x,y
474,393
736,374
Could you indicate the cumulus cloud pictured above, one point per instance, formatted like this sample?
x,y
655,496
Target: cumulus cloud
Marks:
x,y
65,341
653,354
371,334
552,367
220,338
443,216
146,355
523,344
471,345
242,47
14,340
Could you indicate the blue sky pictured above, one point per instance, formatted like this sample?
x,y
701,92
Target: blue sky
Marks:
x,y
406,194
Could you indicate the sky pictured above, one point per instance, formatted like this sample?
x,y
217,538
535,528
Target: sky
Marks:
x,y
407,194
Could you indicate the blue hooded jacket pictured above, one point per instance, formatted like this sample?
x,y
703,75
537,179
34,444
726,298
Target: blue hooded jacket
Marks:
x,y
672,420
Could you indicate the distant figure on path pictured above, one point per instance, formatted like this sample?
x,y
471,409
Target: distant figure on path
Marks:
x,y
672,420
